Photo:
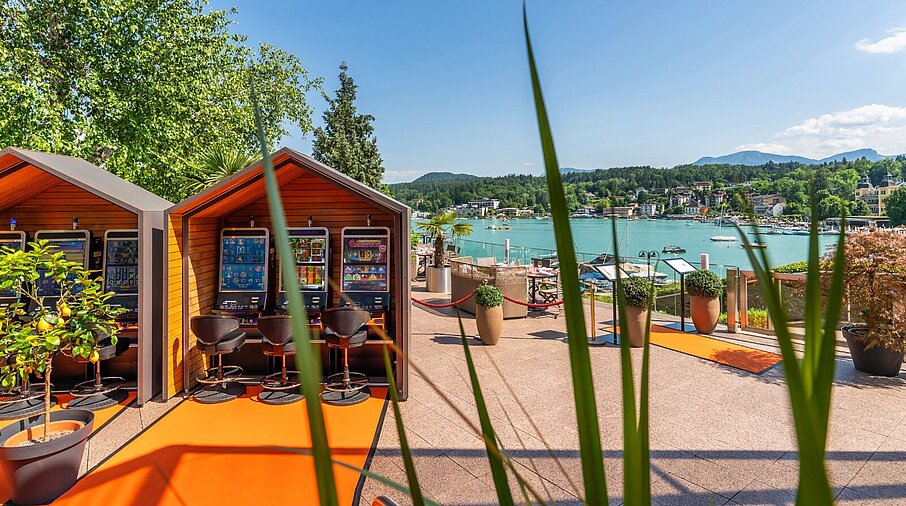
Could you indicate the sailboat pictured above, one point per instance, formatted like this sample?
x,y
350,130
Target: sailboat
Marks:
x,y
722,238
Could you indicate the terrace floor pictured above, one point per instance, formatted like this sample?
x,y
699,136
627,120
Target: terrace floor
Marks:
x,y
718,435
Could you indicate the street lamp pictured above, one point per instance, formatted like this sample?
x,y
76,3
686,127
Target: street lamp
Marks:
x,y
649,255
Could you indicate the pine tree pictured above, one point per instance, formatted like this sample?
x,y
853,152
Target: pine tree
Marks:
x,y
346,142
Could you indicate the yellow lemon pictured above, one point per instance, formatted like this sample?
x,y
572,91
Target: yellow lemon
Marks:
x,y
44,325
95,356
65,312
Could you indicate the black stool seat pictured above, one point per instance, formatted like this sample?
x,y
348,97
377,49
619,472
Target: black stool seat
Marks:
x,y
102,391
344,329
353,341
216,336
230,343
277,341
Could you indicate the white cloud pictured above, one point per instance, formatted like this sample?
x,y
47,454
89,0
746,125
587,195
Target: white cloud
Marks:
x,y
401,176
881,127
895,41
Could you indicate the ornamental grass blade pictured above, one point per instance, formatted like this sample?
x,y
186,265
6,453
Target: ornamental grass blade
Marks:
x,y
411,475
809,381
636,459
495,458
580,362
308,363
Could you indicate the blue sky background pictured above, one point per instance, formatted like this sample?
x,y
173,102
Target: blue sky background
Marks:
x,y
660,84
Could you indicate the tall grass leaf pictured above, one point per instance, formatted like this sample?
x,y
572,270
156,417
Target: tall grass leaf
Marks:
x,y
498,471
809,381
411,475
307,361
580,362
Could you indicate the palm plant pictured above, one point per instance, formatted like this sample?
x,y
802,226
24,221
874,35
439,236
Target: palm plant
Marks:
x,y
441,225
214,165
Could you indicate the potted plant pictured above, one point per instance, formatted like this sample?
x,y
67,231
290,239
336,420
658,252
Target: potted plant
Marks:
x,y
413,258
637,294
705,289
489,313
437,276
875,276
40,457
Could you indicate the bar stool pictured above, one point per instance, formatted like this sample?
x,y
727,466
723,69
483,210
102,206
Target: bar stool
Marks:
x,y
343,330
277,341
24,401
101,392
218,335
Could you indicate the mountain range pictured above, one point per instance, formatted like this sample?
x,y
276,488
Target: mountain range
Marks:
x,y
760,158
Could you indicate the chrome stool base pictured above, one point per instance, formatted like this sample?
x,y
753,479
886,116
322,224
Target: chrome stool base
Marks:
x,y
278,397
230,374
214,394
346,398
99,401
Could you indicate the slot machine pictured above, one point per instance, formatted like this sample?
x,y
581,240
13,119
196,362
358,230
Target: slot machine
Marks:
x,y
244,254
309,247
121,273
366,271
14,240
75,246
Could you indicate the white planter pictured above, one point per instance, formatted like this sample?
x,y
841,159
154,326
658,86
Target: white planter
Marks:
x,y
438,279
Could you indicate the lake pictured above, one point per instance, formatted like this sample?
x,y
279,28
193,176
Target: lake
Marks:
x,y
532,238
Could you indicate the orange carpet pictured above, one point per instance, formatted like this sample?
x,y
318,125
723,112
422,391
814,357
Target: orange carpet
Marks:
x,y
733,355
225,454
101,418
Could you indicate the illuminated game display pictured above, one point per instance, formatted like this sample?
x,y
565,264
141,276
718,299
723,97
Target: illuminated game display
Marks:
x,y
74,245
14,240
366,267
243,270
121,269
310,251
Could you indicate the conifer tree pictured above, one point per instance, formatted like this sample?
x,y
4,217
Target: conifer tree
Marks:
x,y
346,142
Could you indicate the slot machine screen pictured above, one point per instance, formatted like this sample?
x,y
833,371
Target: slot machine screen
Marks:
x,y
365,261
13,242
243,264
74,250
310,257
121,267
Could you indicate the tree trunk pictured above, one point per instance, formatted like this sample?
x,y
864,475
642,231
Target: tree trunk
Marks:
x,y
439,250
47,399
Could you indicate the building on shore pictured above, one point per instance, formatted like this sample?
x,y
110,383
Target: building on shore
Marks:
x,y
875,196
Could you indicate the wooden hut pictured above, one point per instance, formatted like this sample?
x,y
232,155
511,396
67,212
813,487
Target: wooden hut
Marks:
x,y
308,189
43,191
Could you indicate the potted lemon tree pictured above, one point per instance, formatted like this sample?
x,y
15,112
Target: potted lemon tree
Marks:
x,y
40,456
437,276
637,294
489,313
705,289
875,273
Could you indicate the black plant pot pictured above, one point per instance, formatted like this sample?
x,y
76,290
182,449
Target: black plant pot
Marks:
x,y
40,473
878,361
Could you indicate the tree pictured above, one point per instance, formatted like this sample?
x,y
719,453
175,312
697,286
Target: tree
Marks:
x,y
140,88
214,165
438,227
346,142
858,207
895,205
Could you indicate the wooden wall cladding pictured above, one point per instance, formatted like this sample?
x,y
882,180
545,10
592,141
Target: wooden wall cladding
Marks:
x,y
55,206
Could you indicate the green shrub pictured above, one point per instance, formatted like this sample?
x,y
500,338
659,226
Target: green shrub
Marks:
x,y
793,268
757,317
637,292
704,284
488,296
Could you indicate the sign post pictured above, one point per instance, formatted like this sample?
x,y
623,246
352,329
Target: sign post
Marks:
x,y
610,274
681,267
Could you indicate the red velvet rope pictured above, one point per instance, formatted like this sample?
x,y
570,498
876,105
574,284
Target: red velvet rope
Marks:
x,y
451,304
528,304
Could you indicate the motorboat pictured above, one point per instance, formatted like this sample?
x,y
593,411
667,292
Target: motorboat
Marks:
x,y
673,249
723,238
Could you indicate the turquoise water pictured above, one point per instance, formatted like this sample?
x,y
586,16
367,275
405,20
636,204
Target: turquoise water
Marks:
x,y
592,237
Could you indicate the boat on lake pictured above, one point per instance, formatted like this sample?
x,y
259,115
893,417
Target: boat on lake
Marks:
x,y
723,238
499,227
754,245
673,249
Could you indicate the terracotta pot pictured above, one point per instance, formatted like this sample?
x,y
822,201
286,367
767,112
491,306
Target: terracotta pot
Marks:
x,y
636,318
40,473
705,312
490,323
877,361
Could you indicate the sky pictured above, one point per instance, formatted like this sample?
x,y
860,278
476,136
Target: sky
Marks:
x,y
626,83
